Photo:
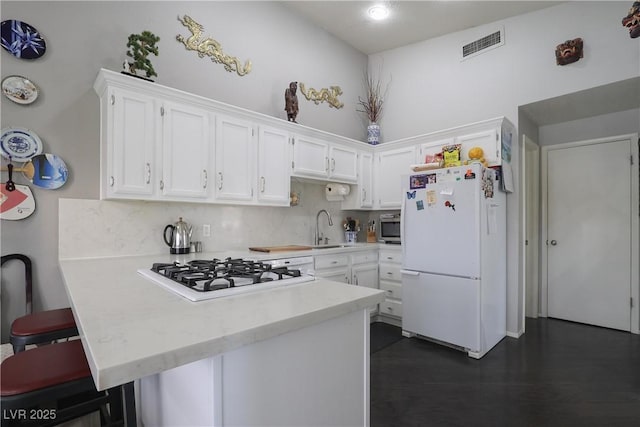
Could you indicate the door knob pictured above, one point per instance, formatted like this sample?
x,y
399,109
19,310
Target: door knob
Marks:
x,y
553,243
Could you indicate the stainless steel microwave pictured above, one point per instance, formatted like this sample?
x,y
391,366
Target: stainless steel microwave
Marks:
x,y
390,228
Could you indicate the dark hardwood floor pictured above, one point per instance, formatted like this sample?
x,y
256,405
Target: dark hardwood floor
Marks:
x,y
557,374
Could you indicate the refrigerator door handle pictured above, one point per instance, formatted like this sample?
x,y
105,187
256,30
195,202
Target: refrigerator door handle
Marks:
x,y
409,273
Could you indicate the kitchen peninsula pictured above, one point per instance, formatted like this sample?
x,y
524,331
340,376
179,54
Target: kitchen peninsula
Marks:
x,y
267,357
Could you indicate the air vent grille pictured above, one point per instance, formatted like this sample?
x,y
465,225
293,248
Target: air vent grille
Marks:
x,y
478,46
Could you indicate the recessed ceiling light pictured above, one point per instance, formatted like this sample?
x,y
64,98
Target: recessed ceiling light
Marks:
x,y
378,12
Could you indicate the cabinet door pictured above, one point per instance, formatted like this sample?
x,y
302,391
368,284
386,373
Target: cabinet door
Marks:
x,y
130,144
235,159
274,166
186,136
343,164
390,167
337,275
432,148
365,275
365,180
310,157
488,140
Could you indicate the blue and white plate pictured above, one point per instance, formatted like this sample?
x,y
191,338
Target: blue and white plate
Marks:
x,y
19,144
22,40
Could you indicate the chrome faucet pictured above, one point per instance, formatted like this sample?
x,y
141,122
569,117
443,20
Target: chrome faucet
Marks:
x,y
318,237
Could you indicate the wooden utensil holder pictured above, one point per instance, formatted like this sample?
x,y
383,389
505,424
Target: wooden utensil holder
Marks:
x,y
371,237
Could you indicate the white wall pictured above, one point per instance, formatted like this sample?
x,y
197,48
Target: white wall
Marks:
x,y
84,36
432,89
620,123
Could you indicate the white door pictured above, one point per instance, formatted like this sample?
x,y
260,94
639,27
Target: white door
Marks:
x,y
589,233
185,150
235,159
274,166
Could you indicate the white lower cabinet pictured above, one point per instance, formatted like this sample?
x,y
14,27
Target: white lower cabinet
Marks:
x,y
359,268
391,282
333,267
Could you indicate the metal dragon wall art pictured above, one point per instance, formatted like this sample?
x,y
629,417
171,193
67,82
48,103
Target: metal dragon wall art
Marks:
x,y
210,47
323,95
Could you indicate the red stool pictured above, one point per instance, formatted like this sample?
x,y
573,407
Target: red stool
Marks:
x,y
41,327
48,385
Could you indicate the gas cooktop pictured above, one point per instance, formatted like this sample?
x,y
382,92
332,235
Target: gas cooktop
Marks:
x,y
199,280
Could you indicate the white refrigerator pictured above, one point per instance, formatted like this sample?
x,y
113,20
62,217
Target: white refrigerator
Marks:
x,y
453,226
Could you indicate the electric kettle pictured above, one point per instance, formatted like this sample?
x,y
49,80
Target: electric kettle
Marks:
x,y
179,239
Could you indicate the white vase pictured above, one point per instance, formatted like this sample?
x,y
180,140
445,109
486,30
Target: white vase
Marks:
x,y
373,133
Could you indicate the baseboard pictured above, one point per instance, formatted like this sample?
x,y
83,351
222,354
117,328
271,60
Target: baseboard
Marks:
x,y
515,335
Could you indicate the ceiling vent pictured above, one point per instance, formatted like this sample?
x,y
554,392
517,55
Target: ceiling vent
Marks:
x,y
483,44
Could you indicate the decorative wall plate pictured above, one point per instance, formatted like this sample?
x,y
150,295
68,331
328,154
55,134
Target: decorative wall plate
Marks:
x,y
19,89
46,171
16,204
22,40
19,144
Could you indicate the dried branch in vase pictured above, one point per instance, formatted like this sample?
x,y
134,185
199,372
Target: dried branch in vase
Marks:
x,y
374,100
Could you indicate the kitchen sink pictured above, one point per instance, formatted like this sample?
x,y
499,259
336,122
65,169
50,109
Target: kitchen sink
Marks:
x,y
329,246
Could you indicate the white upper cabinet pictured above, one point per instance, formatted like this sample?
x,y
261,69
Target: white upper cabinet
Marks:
x,y
274,166
361,195
235,159
487,139
129,129
186,138
343,164
389,167
315,158
310,157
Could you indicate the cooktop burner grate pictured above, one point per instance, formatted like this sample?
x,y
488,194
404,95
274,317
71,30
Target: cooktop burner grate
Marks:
x,y
217,274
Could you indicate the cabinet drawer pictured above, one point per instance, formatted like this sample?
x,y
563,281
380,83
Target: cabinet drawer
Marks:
x,y
364,258
331,261
390,272
392,289
393,308
390,256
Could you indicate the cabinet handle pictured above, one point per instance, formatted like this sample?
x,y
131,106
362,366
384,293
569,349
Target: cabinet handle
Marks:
x,y
334,262
326,166
364,194
262,184
390,292
113,100
112,181
390,308
148,173
161,184
346,278
356,277
388,272
333,164
220,183
389,257
206,178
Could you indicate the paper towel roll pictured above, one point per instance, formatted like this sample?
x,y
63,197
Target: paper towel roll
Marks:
x,y
335,191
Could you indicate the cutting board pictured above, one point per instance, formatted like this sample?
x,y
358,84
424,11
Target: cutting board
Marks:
x,y
280,248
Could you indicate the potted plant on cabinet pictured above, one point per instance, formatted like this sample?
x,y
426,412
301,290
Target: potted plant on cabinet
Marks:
x,y
371,105
141,46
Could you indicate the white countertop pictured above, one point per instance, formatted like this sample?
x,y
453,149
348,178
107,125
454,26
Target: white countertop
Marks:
x,y
131,327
